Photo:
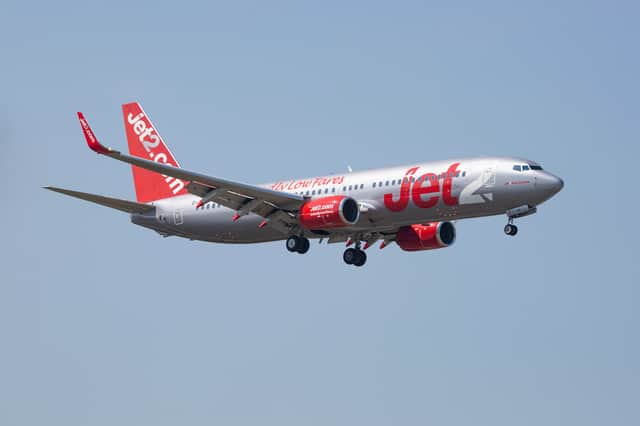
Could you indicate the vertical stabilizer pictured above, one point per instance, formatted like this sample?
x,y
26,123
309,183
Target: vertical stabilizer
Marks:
x,y
145,142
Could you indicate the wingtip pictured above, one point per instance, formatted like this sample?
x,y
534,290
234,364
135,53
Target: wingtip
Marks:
x,y
91,138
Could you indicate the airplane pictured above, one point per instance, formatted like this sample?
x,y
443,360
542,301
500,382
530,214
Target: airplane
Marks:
x,y
414,206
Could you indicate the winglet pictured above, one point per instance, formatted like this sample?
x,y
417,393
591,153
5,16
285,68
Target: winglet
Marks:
x,y
92,141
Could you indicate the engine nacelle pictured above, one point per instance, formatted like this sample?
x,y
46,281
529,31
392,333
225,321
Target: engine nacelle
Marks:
x,y
426,237
329,212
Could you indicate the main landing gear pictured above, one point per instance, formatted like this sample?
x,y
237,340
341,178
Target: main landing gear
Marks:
x,y
354,256
297,244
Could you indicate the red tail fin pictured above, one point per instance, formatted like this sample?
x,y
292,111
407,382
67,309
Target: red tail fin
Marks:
x,y
145,142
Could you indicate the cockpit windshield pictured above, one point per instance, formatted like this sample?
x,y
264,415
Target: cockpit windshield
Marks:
x,y
526,167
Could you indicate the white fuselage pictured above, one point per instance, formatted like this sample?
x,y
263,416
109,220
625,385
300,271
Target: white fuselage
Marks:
x,y
388,198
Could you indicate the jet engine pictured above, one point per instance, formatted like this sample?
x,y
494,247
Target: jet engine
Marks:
x,y
426,237
329,212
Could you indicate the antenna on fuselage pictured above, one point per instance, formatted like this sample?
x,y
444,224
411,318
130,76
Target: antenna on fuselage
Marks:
x,y
349,169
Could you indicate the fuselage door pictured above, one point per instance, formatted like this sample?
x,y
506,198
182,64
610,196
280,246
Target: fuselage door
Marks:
x,y
178,217
488,182
489,178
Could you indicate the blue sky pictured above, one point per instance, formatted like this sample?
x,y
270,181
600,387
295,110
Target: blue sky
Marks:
x,y
102,322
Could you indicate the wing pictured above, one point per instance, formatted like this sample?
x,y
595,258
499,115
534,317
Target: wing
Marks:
x,y
243,198
114,203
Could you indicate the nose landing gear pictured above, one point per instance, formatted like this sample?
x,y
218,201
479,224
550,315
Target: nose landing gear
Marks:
x,y
510,229
521,211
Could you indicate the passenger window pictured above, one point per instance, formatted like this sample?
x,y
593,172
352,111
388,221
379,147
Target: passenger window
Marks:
x,y
350,186
387,183
362,186
516,168
326,190
374,184
333,190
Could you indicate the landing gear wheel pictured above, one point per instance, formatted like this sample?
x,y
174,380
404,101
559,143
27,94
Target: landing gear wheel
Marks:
x,y
297,244
304,245
293,243
349,256
361,258
510,229
354,256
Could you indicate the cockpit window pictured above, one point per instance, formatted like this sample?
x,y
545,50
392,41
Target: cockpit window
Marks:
x,y
536,167
525,167
516,168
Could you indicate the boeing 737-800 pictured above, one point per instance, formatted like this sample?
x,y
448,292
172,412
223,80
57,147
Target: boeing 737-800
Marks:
x,y
414,206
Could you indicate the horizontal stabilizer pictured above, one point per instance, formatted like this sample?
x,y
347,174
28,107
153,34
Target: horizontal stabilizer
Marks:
x,y
114,203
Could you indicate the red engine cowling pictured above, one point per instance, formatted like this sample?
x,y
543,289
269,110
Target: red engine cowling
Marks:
x,y
329,212
426,237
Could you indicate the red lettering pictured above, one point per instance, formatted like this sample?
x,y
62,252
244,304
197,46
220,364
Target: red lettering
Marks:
x,y
403,201
429,183
448,183
418,190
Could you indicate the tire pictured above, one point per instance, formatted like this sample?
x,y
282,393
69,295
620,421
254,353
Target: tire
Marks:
x,y
510,230
350,255
304,245
361,258
293,244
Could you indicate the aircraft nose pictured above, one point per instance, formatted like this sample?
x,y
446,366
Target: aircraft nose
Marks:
x,y
550,184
